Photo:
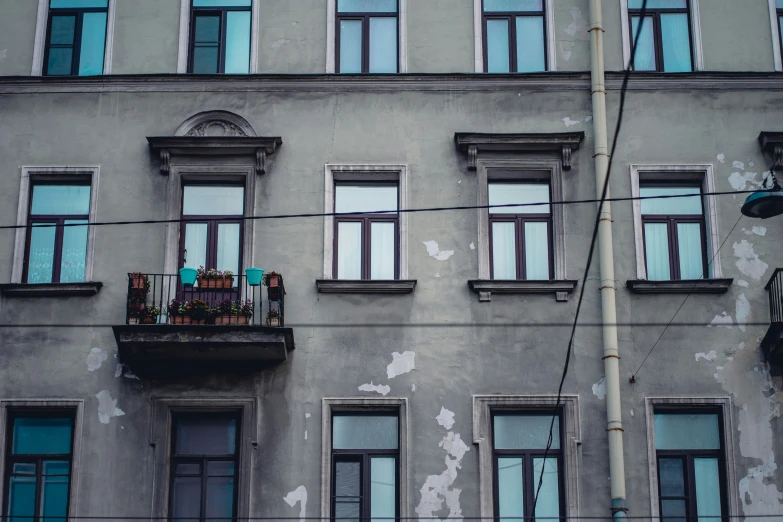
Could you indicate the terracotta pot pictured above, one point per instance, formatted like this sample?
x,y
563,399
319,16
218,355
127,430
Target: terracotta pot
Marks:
x,y
209,282
133,320
138,281
179,319
273,280
273,321
228,281
149,320
200,321
231,319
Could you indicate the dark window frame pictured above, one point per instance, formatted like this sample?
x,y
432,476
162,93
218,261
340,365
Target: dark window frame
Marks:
x,y
203,460
655,14
366,221
363,17
10,459
687,457
222,13
59,219
510,18
364,456
779,13
519,221
530,478
78,13
671,221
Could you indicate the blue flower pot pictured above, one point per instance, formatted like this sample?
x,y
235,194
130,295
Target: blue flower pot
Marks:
x,y
254,276
188,276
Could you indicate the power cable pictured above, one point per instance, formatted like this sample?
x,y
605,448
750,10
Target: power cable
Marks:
x,y
408,325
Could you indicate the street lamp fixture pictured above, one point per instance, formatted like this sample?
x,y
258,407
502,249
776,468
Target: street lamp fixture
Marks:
x,y
768,203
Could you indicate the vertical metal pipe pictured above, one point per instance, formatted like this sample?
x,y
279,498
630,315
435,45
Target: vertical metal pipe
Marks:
x,y
611,354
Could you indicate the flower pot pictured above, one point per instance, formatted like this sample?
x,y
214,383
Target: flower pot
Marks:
x,y
231,319
179,319
254,276
149,320
188,276
199,321
273,321
228,281
139,281
133,320
273,280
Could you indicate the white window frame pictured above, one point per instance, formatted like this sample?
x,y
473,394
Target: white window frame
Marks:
x,y
483,405
184,35
692,172
776,51
331,35
370,172
53,173
478,35
698,53
330,405
75,405
724,403
40,37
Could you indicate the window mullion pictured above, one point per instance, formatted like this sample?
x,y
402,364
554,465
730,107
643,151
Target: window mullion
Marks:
x,y
222,41
366,247
520,250
512,43
366,43
77,43
57,257
203,511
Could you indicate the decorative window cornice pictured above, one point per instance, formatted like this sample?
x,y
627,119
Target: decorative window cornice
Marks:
x,y
474,143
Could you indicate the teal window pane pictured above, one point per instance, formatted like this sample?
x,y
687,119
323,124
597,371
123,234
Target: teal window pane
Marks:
x,y
42,436
21,498
60,61
350,46
780,24
510,489
209,200
530,44
382,250
780,4
504,250
186,499
536,251
59,200
93,43
383,45
221,3
519,193
349,250
690,248
383,489
206,47
367,6
206,436
644,58
78,4
228,247
659,4
63,30
237,42
676,40
365,198
74,258
706,474
671,477
220,499
347,491
40,258
54,491
364,432
691,204
656,249
205,59
495,6
680,431
195,245
498,59
525,431
673,510
548,504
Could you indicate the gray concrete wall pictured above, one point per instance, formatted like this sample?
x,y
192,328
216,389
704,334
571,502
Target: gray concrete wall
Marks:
x,y
737,36
292,38
17,37
146,37
467,352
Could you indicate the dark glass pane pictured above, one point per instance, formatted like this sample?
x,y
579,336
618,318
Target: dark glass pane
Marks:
x,y
364,432
498,46
93,44
673,511
228,248
42,436
58,200
672,482
346,510
220,468
78,4
205,60
350,46
347,479
74,258
220,498
188,468
525,431
676,41
186,499
206,436
23,468
493,6
530,44
60,59
221,3
56,467
659,4
63,28
41,254
367,6
21,499
207,29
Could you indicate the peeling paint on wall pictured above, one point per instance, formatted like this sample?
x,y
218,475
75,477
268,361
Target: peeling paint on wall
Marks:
x,y
472,246
107,407
377,388
709,356
721,158
402,363
566,49
759,230
445,418
599,389
722,321
738,165
740,181
298,495
742,282
742,311
434,251
569,122
748,261
95,359
578,25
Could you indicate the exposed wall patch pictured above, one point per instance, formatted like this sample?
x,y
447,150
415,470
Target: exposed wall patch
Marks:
x,y
95,359
569,122
759,230
742,311
434,251
721,158
748,261
401,363
709,356
298,495
599,389
445,418
377,388
107,407
722,321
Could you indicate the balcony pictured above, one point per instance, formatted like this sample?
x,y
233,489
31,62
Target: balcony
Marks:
x,y
218,324
772,344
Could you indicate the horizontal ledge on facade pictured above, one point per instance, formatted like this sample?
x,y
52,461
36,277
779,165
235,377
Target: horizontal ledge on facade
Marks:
x,y
351,286
683,286
215,144
50,289
485,287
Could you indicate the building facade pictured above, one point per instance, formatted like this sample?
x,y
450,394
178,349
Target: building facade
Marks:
x,y
405,361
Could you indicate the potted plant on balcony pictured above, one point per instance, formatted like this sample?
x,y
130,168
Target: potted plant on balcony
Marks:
x,y
213,278
245,310
139,281
138,288
198,311
274,284
149,315
178,312
273,317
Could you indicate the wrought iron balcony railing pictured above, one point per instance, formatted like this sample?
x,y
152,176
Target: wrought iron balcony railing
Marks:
x,y
772,344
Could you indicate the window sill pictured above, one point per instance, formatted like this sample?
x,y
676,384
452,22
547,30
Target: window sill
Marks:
x,y
683,286
485,287
50,289
350,286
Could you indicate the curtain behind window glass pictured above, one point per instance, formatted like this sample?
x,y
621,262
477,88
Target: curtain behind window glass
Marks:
x,y
365,198
525,431
347,491
364,432
644,58
676,43
40,262
705,471
382,250
221,3
74,254
220,498
228,247
656,249
681,431
383,489
689,245
78,4
512,5
548,505
93,44
504,251
195,245
536,251
510,489
518,193
350,46
53,200
206,436
383,45
530,44
186,499
237,42
498,59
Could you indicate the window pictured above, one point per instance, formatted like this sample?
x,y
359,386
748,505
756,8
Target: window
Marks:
x,y
520,237
75,37
366,245
204,465
665,40
674,232
38,466
690,462
56,249
519,441
514,36
365,466
367,36
220,37
213,227
779,19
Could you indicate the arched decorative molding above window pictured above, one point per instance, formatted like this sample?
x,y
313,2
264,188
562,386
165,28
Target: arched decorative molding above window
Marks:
x,y
216,123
